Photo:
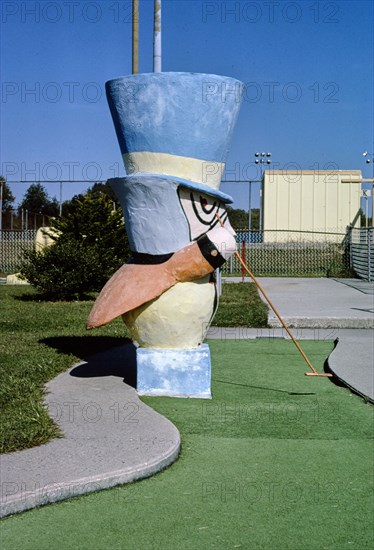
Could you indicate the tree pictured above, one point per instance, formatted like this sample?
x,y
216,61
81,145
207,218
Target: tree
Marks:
x,y
363,219
8,197
69,206
92,220
239,218
91,245
37,201
103,188
255,219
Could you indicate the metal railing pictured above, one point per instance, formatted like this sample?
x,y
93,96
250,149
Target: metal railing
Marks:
x,y
361,251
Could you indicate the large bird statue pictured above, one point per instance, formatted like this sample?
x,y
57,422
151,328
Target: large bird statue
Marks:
x,y
174,131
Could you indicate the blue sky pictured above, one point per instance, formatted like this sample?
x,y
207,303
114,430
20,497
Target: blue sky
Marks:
x,y
307,66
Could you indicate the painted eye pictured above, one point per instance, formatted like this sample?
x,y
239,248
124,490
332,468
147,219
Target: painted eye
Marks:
x,y
200,211
208,207
205,210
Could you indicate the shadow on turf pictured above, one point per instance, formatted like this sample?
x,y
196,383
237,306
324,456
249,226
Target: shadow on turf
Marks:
x,y
41,297
263,388
326,369
103,356
111,356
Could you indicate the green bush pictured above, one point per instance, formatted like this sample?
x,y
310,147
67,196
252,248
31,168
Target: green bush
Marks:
x,y
91,245
94,220
67,270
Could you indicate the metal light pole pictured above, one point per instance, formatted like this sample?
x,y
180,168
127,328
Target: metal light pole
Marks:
x,y
249,208
261,159
370,160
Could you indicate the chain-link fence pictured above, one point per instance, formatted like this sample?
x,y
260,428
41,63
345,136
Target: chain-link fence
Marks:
x,y
267,253
361,251
12,246
291,254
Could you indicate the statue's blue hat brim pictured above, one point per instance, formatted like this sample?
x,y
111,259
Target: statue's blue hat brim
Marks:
x,y
156,222
194,186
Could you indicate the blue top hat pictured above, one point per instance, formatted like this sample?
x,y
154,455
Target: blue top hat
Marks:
x,y
176,124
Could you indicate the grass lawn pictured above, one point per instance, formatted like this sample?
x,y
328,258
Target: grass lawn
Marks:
x,y
27,362
275,461
241,306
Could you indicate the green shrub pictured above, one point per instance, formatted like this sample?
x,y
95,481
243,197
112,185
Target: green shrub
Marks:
x,y
93,220
67,270
91,245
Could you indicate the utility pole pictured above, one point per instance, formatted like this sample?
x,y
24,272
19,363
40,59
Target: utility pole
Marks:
x,y
60,205
1,206
135,36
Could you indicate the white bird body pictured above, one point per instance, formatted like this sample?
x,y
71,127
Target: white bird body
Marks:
x,y
177,319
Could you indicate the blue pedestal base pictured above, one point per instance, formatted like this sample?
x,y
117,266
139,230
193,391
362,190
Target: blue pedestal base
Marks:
x,y
174,372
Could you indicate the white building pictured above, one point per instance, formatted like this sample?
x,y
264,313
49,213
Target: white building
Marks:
x,y
309,200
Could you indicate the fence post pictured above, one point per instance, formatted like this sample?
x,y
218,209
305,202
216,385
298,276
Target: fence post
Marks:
x,y
243,258
369,237
219,281
350,233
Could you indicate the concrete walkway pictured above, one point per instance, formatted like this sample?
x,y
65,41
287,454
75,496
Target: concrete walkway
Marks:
x,y
319,302
110,437
352,362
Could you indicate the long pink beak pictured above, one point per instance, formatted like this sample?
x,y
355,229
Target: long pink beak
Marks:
x,y
135,284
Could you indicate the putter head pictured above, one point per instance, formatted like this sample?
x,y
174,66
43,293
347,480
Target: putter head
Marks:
x,y
318,374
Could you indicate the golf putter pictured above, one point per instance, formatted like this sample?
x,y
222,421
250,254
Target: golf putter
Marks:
x,y
314,371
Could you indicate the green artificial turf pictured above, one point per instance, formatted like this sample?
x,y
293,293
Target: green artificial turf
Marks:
x,y
276,460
